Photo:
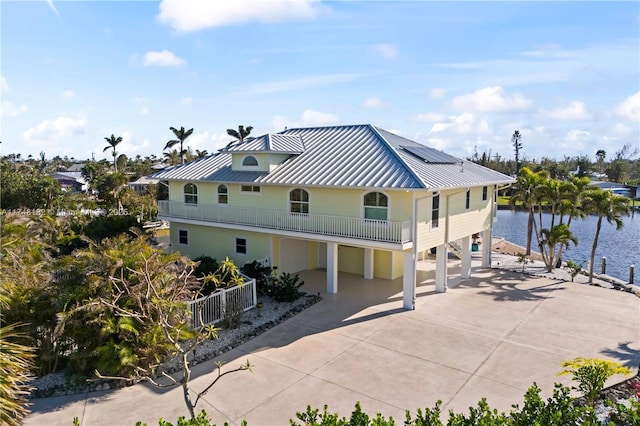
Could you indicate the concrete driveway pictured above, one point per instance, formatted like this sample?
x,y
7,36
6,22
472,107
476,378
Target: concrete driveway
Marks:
x,y
490,336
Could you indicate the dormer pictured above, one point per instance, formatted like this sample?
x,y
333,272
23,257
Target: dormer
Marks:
x,y
264,153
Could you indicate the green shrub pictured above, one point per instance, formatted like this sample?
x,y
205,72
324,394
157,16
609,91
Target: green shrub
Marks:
x,y
624,413
591,375
574,269
206,265
262,274
558,410
285,288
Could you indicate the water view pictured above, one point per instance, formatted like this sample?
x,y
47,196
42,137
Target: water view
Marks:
x,y
621,248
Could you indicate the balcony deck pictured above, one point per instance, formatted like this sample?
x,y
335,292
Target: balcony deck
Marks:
x,y
336,226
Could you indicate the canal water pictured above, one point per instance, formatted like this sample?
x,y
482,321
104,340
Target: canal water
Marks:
x,y
621,248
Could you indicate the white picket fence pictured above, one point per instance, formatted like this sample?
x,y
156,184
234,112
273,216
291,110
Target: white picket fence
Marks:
x,y
211,309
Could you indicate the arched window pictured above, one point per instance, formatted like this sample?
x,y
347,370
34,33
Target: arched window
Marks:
x,y
249,160
223,194
376,206
299,201
190,194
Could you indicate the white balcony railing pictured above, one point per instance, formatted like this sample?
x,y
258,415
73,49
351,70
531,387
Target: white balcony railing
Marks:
x,y
337,226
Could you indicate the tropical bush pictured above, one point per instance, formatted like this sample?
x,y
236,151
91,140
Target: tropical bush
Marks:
x,y
591,375
285,288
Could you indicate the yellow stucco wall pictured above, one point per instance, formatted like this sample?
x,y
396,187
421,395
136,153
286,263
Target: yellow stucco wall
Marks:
x,y
351,259
326,201
462,222
220,243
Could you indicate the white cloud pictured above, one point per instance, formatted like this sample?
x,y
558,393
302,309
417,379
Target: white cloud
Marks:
x,y
629,109
395,131
308,118
300,83
194,15
53,7
144,110
430,117
186,100
316,118
386,50
575,111
55,130
373,103
490,99
577,135
68,94
163,58
210,142
11,110
4,86
438,93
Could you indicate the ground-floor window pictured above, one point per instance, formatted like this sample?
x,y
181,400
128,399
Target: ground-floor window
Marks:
x,y
183,237
241,245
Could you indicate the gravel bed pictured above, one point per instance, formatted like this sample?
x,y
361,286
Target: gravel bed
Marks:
x,y
254,322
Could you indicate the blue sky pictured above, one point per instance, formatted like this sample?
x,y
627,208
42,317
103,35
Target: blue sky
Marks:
x,y
458,76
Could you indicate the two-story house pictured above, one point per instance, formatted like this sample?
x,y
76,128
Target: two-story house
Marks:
x,y
355,199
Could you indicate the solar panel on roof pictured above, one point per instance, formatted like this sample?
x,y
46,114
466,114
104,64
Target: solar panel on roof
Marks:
x,y
430,155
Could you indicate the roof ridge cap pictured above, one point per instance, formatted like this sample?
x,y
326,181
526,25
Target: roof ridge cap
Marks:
x,y
397,155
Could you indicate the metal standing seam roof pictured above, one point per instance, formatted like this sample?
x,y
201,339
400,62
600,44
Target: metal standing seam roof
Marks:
x,y
437,175
291,144
360,156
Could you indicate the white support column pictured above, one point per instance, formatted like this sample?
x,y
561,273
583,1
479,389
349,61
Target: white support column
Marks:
x,y
409,281
486,248
441,268
368,263
465,270
332,268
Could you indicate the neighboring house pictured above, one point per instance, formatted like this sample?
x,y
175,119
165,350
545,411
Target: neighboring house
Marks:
x,y
629,191
76,167
355,199
141,184
71,181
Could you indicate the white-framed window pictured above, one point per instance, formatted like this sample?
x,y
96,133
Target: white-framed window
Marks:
x,y
435,211
183,237
299,201
467,202
241,245
250,161
190,193
250,189
223,194
485,193
376,206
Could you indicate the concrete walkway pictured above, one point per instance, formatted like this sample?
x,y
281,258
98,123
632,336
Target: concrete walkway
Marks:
x,y
490,336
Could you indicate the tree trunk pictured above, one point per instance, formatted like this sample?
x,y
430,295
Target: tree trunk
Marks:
x,y
593,249
530,231
186,376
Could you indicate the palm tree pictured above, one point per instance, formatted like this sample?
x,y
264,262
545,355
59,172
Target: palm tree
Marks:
x,y
525,193
172,157
601,154
239,134
17,360
550,238
113,142
181,136
201,154
605,205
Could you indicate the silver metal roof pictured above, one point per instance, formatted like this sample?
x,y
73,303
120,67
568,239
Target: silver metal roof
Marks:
x,y
442,175
288,144
360,156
